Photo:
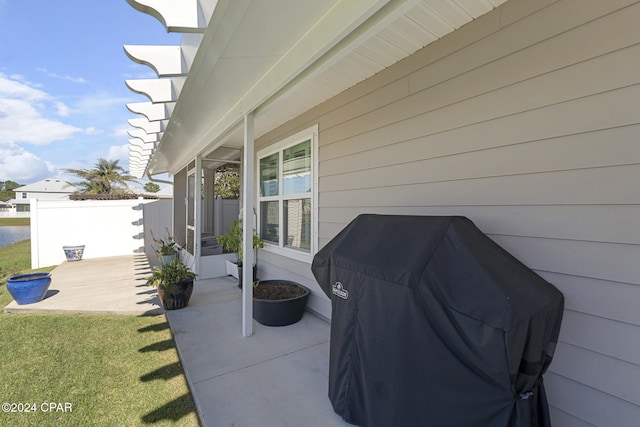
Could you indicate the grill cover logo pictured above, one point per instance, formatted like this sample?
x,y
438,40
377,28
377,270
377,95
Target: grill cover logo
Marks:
x,y
338,290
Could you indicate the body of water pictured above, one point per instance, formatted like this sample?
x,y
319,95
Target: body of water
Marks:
x,y
14,233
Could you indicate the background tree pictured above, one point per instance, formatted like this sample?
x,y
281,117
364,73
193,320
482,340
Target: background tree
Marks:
x,y
227,182
106,177
151,187
6,190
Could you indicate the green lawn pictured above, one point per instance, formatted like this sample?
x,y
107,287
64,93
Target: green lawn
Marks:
x,y
88,370
15,259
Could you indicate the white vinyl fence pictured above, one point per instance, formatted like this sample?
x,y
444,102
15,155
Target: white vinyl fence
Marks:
x,y
105,227
14,214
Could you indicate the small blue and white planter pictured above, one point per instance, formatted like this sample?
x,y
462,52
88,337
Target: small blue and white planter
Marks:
x,y
166,259
29,288
73,253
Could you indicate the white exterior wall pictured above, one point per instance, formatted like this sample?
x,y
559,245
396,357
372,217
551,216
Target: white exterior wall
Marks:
x,y
105,227
526,121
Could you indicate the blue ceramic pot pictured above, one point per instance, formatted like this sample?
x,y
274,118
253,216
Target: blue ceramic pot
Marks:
x,y
73,253
29,288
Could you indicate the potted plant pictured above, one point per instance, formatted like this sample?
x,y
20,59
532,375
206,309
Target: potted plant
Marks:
x,y
174,282
232,242
165,248
279,302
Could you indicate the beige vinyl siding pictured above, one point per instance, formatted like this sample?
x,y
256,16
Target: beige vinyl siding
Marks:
x,y
527,121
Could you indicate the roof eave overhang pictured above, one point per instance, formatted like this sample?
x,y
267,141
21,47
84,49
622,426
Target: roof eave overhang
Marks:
x,y
219,91
342,20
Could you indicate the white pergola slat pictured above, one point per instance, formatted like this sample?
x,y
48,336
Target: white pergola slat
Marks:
x,y
166,61
142,148
151,111
147,126
177,16
141,134
157,90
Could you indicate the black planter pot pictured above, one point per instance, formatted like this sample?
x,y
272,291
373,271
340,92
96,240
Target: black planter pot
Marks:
x,y
177,296
255,274
280,312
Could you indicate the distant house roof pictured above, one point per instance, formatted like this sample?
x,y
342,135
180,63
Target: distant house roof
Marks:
x,y
49,185
164,193
125,196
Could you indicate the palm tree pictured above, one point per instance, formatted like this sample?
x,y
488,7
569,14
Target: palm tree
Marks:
x,y
106,177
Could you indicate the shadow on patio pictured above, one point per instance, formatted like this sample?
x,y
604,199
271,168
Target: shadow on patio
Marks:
x,y
277,377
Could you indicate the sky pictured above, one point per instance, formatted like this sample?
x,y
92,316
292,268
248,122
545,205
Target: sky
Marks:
x,y
62,90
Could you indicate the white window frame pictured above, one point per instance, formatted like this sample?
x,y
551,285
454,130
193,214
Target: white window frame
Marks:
x,y
279,147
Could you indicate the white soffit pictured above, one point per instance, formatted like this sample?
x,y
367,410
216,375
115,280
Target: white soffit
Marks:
x,y
249,52
255,57
424,23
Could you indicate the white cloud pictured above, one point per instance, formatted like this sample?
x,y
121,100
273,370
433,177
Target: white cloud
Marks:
x,y
65,77
21,115
16,87
139,71
100,102
122,132
19,165
63,109
92,131
121,153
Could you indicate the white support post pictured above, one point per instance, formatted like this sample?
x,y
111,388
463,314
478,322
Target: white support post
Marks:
x,y
247,227
197,212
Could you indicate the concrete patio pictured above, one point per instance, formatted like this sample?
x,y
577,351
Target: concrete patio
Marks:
x,y
277,377
112,285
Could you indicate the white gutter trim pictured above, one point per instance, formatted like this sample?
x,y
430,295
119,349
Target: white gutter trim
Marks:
x,y
161,181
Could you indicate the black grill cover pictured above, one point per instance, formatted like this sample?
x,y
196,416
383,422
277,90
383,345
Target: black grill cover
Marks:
x,y
434,324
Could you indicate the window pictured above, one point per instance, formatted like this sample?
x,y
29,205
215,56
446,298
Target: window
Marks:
x,y
287,194
24,195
